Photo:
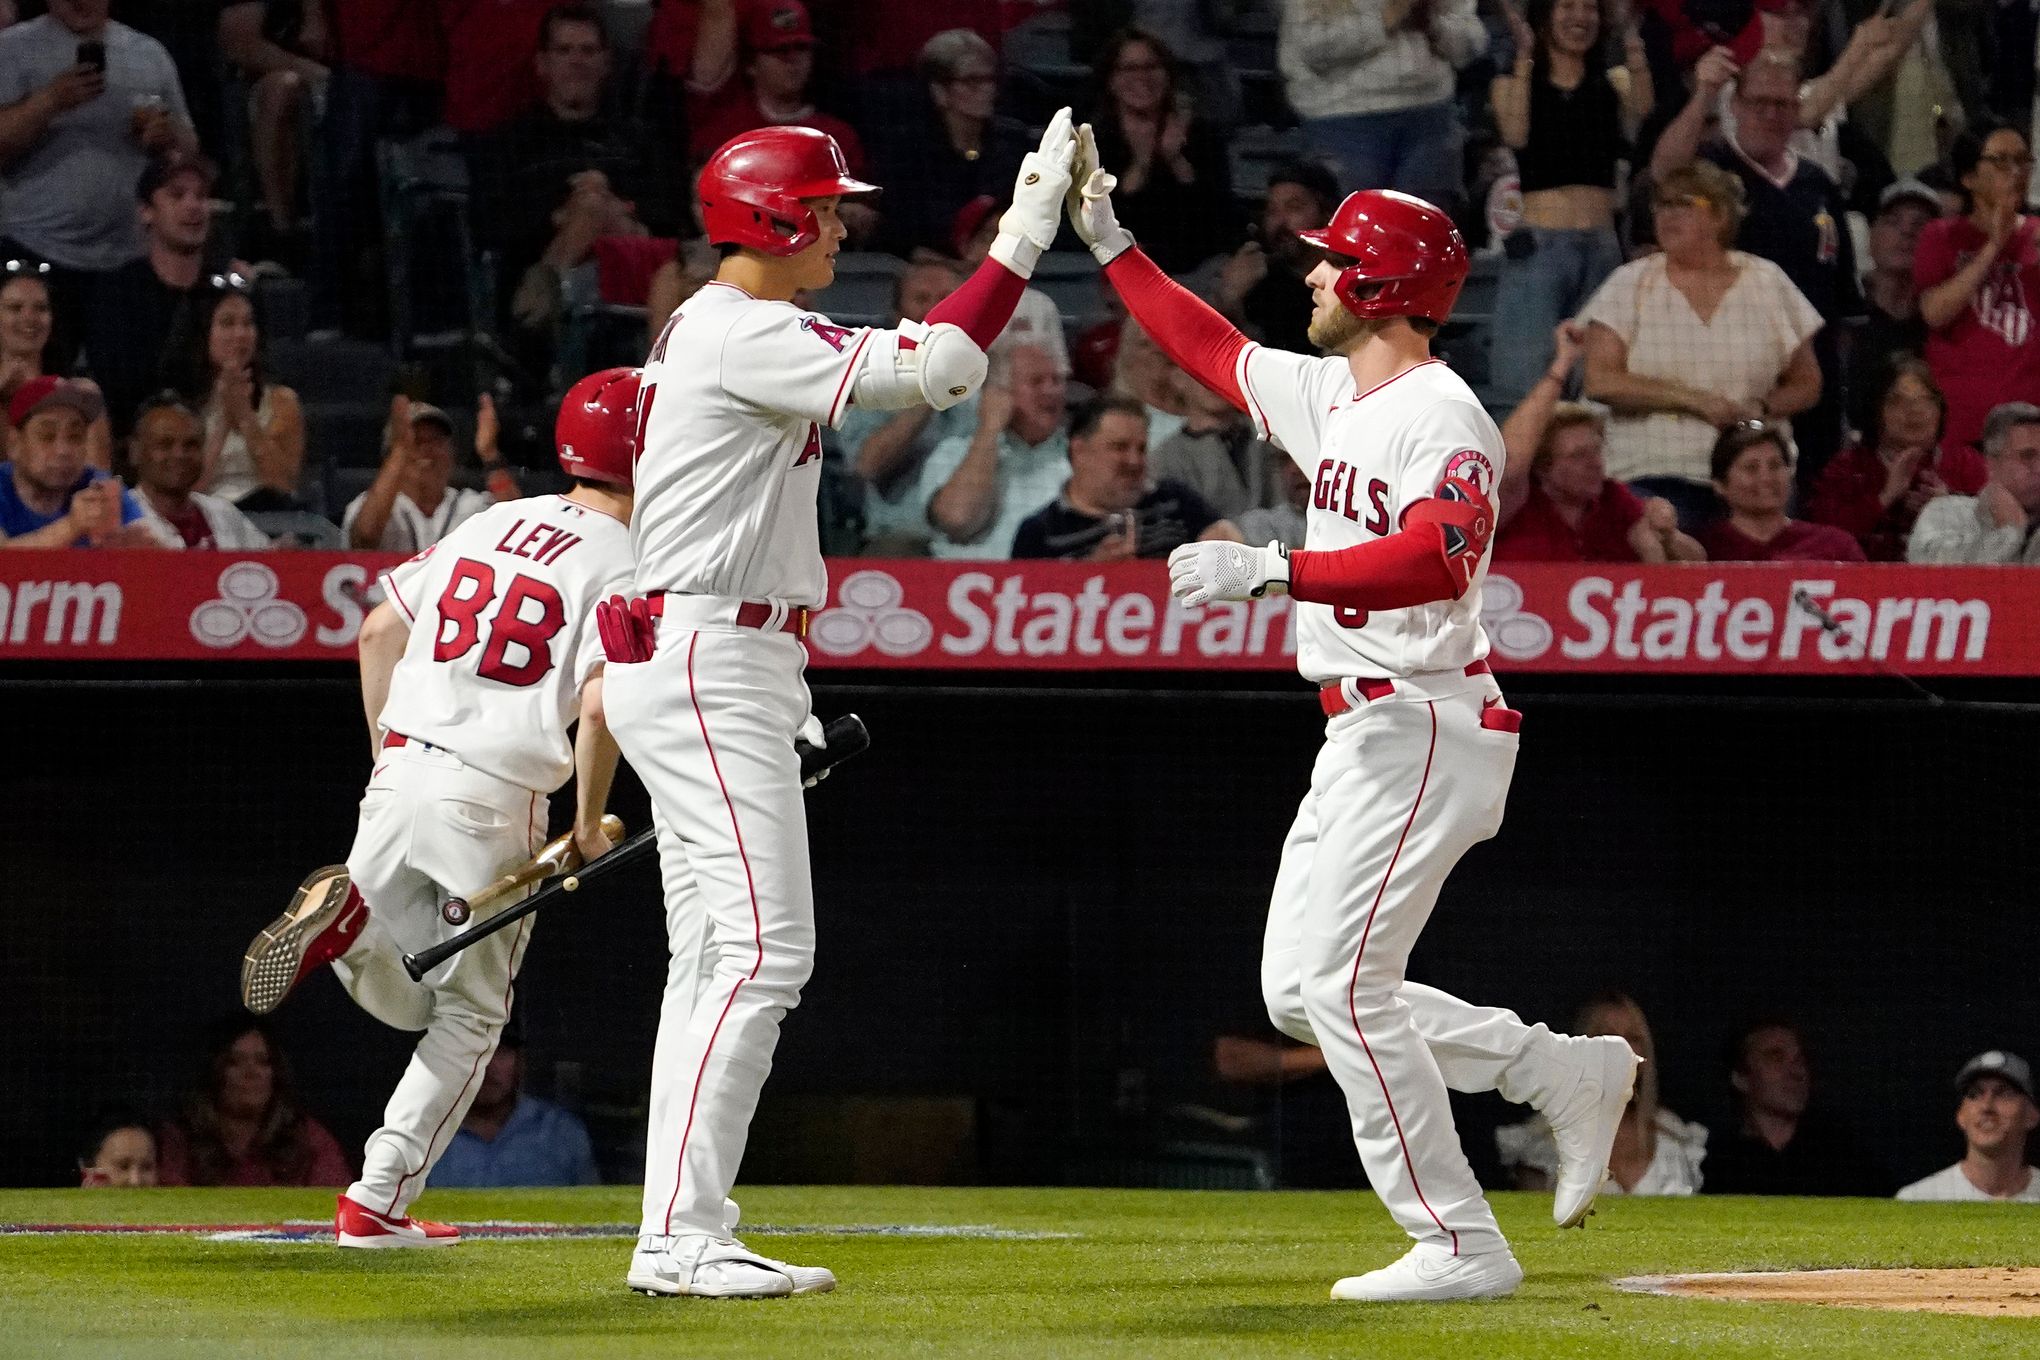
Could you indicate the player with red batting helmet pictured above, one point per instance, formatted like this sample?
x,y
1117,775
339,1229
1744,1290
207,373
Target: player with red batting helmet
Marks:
x,y
1403,463
480,659
705,688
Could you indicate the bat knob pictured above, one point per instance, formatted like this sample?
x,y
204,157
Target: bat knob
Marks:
x,y
612,827
412,966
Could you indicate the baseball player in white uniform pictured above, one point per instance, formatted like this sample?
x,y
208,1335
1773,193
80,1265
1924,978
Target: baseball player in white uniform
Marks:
x,y
1419,748
473,669
705,689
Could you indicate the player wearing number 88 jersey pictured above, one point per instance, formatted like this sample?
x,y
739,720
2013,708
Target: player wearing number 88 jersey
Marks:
x,y
474,668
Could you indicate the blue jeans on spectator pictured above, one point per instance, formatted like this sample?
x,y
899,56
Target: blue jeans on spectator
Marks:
x,y
1415,150
1695,501
1548,273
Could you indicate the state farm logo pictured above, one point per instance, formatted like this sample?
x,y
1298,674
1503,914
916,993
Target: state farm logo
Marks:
x,y
248,607
1513,631
870,613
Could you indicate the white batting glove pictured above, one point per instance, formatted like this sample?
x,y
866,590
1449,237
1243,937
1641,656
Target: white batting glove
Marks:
x,y
1029,226
1091,203
1202,572
812,733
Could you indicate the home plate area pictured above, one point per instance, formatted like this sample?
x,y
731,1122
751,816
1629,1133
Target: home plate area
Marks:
x,y
1979,1292
298,1231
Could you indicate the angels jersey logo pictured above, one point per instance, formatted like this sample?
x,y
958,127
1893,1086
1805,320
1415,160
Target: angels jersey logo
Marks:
x,y
1472,467
836,336
2001,305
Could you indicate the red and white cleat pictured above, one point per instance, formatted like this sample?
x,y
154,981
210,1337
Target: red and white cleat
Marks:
x,y
324,919
357,1226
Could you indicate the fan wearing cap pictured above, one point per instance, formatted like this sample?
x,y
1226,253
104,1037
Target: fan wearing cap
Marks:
x,y
705,689
1996,1115
49,497
1419,750
412,503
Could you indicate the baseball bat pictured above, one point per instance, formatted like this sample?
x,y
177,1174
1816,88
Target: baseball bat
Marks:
x,y
845,737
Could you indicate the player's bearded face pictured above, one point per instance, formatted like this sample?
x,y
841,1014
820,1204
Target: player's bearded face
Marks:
x,y
1332,327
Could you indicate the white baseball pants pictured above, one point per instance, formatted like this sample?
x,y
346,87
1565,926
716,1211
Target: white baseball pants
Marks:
x,y
1401,789
709,723
432,828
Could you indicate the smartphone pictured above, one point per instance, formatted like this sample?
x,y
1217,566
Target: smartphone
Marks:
x,y
92,52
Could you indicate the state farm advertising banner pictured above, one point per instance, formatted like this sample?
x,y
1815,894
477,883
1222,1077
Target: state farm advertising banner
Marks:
x,y
1800,619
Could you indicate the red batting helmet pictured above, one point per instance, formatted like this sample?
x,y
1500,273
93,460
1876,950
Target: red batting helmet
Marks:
x,y
752,187
596,433
1408,258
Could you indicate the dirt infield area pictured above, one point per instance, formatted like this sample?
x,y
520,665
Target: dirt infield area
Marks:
x,y
1983,1292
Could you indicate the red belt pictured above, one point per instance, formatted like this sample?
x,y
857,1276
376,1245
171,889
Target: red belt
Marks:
x,y
753,614
399,739
1332,694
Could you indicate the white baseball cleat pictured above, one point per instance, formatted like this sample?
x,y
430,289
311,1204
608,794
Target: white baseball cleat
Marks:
x,y
718,1268
357,1225
1584,1128
324,920
1431,1274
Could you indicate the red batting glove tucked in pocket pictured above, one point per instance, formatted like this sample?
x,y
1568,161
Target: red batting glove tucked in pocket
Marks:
x,y
628,628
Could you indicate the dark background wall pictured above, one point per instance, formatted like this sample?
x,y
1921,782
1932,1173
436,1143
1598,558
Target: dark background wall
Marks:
x,y
1044,904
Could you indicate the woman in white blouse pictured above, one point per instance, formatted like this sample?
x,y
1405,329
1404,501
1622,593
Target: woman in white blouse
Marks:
x,y
254,430
1687,342
1656,1152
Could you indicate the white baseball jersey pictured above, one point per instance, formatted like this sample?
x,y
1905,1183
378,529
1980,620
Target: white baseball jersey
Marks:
x,y
502,615
1370,456
730,447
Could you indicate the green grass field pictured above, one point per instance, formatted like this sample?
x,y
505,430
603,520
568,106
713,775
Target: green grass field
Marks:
x,y
1141,1274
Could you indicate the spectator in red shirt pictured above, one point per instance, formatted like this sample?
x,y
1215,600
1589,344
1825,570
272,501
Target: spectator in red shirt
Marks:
x,y
241,1123
1979,279
1753,475
1877,486
690,46
494,79
1557,502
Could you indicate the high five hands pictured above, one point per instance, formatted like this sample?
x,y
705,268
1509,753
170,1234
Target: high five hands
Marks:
x,y
1062,174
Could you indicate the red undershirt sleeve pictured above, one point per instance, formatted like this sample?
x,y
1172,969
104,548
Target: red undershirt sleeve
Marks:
x,y
1200,341
1405,569
982,304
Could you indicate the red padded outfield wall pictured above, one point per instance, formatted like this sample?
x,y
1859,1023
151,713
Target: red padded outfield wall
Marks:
x,y
1803,619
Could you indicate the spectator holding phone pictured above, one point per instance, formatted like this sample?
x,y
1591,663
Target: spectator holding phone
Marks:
x,y
84,103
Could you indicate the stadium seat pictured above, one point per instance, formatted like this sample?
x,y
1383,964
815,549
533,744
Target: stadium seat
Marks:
x,y
425,207
332,370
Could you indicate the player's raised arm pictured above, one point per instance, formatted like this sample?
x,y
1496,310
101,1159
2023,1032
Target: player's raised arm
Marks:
x,y
1190,331
984,303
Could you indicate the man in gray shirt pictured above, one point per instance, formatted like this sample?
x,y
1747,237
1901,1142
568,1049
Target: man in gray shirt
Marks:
x,y
1996,524
84,103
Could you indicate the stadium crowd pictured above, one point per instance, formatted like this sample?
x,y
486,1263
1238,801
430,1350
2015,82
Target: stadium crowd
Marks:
x,y
1753,280
241,1122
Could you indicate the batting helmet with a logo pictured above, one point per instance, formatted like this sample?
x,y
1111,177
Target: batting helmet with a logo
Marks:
x,y
596,433
752,187
1407,257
